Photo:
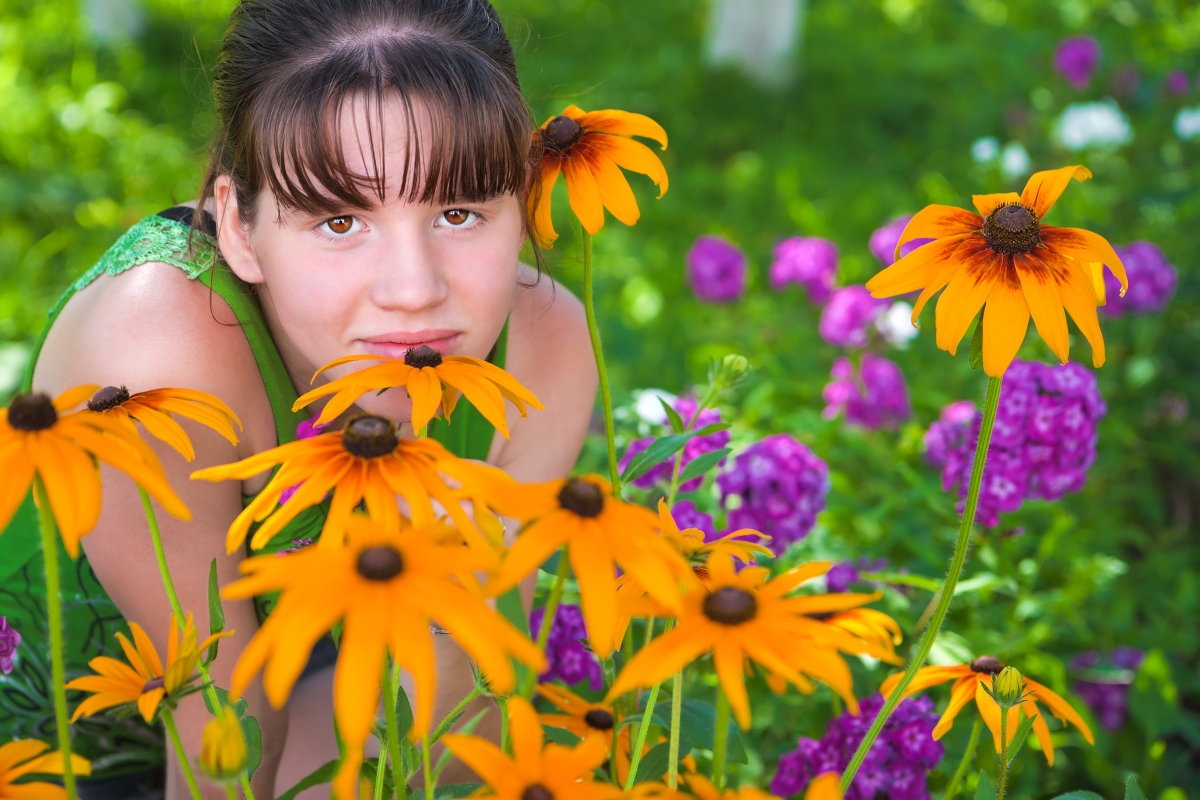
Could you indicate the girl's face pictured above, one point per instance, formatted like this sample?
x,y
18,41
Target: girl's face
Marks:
x,y
377,280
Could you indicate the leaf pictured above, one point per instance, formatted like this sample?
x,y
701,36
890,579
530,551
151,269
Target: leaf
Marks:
x,y
322,774
697,723
654,764
1079,795
240,707
369,769
216,612
1019,738
663,448
975,359
984,791
1132,790
702,464
447,790
673,417
404,715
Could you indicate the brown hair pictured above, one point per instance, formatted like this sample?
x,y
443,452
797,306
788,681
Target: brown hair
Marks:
x,y
287,69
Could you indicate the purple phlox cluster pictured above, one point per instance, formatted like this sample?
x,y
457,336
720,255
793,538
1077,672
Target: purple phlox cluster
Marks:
x,y
305,430
9,641
1177,82
845,573
1104,683
1076,60
883,241
897,765
686,515
696,446
809,261
1043,440
848,315
1152,281
567,656
874,395
780,486
716,269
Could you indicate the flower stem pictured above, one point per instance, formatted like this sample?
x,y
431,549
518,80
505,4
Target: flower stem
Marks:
x,y
676,715
605,393
549,611
687,426
54,612
231,792
380,771
391,682
448,720
991,403
720,738
967,758
635,757
169,723
1002,783
427,768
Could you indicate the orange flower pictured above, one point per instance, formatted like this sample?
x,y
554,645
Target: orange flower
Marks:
x,y
691,545
154,408
1004,257
432,380
28,757
969,680
591,149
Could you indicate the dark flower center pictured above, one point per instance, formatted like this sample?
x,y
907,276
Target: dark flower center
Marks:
x,y
370,436
423,356
1012,229
32,412
560,133
989,664
582,498
599,719
730,606
379,563
108,397
151,685
537,792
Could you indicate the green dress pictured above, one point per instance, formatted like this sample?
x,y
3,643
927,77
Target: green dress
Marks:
x,y
123,747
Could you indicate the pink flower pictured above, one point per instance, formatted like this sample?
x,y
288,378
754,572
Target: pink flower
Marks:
x,y
305,430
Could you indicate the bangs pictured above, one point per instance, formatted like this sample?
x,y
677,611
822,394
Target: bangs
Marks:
x,y
468,130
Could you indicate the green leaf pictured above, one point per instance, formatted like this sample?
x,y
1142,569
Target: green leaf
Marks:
x,y
1079,795
1019,738
369,769
404,715
673,417
663,448
1132,790
697,723
975,359
453,791
216,612
240,707
984,791
322,774
654,764
702,464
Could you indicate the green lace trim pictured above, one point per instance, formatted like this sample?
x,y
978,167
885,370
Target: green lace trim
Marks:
x,y
153,239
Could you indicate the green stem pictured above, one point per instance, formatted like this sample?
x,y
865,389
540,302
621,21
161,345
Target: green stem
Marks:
x,y
1001,784
54,610
391,682
503,703
550,610
605,392
688,425
427,768
967,758
231,792
380,771
169,723
635,757
448,720
676,715
720,738
991,403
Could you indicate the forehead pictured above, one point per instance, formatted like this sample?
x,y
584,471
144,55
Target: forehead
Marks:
x,y
385,144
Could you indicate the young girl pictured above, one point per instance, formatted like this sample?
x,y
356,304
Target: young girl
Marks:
x,y
366,194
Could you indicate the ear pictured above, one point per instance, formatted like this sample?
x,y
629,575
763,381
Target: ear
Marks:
x,y
232,236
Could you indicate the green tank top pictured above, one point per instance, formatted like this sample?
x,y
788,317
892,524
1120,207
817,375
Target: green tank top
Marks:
x,y
122,747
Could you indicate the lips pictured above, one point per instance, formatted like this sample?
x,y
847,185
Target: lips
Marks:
x,y
395,344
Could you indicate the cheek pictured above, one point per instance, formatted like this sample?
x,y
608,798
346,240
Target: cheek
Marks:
x,y
314,301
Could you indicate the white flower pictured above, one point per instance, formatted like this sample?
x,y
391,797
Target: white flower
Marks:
x,y
985,150
1187,123
896,326
1014,161
1084,125
647,407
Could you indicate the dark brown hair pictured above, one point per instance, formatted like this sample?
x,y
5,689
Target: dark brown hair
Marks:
x,y
288,69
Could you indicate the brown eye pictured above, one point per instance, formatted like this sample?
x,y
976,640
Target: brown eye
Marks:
x,y
456,216
340,224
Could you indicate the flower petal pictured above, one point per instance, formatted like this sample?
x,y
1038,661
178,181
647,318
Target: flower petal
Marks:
x,y
584,194
961,301
961,693
918,269
1083,245
543,225
938,222
1005,321
987,203
634,156
1079,299
1041,294
1044,188
622,123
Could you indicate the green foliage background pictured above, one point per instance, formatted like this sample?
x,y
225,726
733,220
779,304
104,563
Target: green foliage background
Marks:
x,y
98,129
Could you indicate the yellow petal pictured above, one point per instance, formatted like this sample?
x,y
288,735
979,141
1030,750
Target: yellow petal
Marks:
x,y
987,203
583,194
1041,295
959,304
622,123
1005,321
1044,188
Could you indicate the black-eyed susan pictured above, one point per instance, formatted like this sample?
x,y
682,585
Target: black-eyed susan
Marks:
x,y
223,747
869,625
38,437
741,616
600,532
365,462
591,149
969,682
24,757
154,409
1005,257
691,544
432,381
385,586
533,771
143,681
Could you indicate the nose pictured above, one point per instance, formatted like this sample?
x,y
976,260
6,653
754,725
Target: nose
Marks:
x,y
408,277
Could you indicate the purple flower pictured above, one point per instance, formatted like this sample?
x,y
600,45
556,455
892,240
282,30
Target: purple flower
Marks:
x,y
1152,281
850,311
780,486
1076,60
948,434
696,446
807,260
9,641
716,270
1104,683
1177,82
874,396
567,657
686,515
305,430
883,241
840,576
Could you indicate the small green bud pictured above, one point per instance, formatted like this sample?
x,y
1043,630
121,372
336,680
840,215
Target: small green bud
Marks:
x,y
1007,687
729,371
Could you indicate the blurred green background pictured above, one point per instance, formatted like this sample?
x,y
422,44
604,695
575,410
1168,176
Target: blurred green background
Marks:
x,y
104,116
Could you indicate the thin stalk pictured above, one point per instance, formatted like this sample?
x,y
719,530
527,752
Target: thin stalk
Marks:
x,y
605,392
391,682
635,757
380,771
54,612
550,610
427,768
169,723
991,403
231,792
688,425
967,758
1002,783
676,715
448,720
720,738
503,703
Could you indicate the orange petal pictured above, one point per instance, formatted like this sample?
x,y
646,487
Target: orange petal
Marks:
x,y
987,203
1005,321
425,389
74,397
583,194
543,226
960,695
622,123
1045,187
961,301
1041,295
634,156
938,222
917,269
614,190
1083,245
1079,299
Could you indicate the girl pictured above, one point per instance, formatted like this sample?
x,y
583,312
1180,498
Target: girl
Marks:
x,y
366,194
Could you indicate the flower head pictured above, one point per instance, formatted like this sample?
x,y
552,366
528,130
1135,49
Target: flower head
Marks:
x,y
1006,259
873,396
1076,59
591,149
716,269
779,486
807,260
1152,281
154,409
223,747
10,639
847,318
24,757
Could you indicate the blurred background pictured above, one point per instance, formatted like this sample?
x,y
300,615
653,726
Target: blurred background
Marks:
x,y
824,120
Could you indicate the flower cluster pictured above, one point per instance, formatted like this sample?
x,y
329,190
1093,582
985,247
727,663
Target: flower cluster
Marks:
x,y
897,764
873,395
716,270
10,639
1104,683
686,515
1076,60
1152,281
780,486
567,657
1043,442
806,260
696,446
847,318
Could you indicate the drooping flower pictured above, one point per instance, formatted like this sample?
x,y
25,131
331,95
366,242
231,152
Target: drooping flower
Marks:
x,y
38,437
1104,683
1076,60
1005,259
809,261
884,240
154,409
1152,281
591,149
568,659
694,448
780,487
716,270
533,771
847,318
432,381
969,681
10,640
143,680
741,617
24,757
872,396
223,747
385,586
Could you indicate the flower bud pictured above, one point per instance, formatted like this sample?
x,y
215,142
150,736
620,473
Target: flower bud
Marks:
x,y
1007,687
729,371
223,748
